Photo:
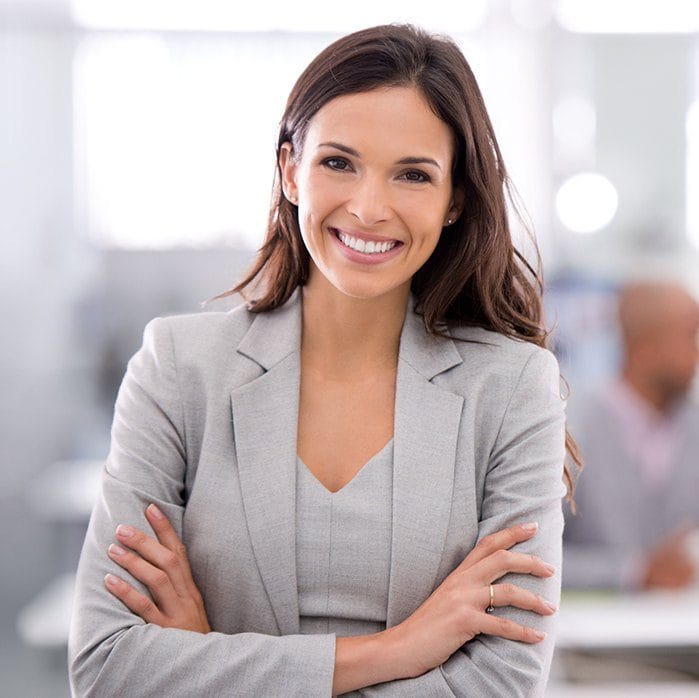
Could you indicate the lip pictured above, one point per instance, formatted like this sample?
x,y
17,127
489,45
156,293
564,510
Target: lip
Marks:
x,y
364,236
363,257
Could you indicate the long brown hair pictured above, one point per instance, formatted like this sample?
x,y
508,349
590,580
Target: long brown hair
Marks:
x,y
475,276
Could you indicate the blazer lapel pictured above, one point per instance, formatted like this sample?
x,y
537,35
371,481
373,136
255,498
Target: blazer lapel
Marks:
x,y
265,421
426,428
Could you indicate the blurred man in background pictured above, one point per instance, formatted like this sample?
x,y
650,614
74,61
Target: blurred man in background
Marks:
x,y
638,495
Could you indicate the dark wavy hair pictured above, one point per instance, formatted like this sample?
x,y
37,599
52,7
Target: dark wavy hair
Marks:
x,y
475,276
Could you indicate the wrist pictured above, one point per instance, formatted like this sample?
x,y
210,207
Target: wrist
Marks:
x,y
364,660
393,653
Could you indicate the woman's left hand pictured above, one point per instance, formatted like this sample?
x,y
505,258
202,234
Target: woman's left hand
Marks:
x,y
161,565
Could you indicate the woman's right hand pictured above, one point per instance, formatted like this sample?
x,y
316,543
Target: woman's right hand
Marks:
x,y
455,612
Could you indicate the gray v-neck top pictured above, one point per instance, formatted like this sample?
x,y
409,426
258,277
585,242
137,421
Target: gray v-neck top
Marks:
x,y
343,549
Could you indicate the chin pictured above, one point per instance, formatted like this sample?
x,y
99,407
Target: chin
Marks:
x,y
364,291
359,293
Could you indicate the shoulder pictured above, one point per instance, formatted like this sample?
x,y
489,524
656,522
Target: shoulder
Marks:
x,y
494,355
510,388
203,332
200,349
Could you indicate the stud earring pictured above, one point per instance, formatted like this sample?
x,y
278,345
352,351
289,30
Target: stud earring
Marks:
x,y
449,221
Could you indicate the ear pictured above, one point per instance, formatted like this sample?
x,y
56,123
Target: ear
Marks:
x,y
288,166
456,206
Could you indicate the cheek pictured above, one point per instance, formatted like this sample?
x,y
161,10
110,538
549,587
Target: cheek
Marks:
x,y
426,230
309,225
677,362
313,206
321,191
424,214
316,206
690,359
313,227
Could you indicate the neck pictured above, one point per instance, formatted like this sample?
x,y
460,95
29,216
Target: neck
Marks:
x,y
350,337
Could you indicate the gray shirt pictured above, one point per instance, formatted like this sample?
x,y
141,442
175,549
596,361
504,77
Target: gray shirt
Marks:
x,y
343,549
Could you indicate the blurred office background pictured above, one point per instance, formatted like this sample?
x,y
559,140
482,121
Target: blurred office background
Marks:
x,y
136,161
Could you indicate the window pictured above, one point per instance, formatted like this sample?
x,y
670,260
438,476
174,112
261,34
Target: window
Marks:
x,y
175,135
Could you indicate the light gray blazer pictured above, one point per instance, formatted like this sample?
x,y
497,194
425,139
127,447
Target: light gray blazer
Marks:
x,y
205,426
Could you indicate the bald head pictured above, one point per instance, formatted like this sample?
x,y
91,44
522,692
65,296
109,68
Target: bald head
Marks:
x,y
659,326
647,309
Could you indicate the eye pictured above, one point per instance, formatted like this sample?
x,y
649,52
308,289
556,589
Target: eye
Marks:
x,y
417,176
337,164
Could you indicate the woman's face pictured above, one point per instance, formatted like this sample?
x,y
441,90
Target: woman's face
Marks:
x,y
375,170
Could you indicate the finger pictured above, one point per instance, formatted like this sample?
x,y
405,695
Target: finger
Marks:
x,y
169,538
154,552
497,541
511,595
135,601
503,627
157,580
503,561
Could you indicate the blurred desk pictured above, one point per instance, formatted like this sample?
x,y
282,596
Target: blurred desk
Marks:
x,y
624,690
45,621
600,620
606,639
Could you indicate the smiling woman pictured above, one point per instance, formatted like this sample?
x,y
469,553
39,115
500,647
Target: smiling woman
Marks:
x,y
358,185
360,470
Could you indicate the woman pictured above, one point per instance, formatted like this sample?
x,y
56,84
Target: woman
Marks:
x,y
344,464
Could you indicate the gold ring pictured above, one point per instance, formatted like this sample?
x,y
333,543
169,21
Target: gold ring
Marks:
x,y
490,608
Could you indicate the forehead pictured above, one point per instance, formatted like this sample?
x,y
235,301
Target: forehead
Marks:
x,y
393,120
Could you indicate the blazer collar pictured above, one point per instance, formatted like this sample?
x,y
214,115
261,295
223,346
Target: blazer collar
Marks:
x,y
274,335
426,427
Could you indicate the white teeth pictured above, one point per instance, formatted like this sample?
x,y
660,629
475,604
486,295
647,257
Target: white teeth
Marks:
x,y
366,247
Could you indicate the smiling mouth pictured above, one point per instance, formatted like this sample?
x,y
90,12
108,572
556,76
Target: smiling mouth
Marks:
x,y
363,246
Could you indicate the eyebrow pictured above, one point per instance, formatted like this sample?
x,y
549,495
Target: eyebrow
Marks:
x,y
410,160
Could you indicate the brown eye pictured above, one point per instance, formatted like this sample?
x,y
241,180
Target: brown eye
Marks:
x,y
416,176
338,164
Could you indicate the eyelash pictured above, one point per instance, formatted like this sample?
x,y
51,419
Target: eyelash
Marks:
x,y
425,177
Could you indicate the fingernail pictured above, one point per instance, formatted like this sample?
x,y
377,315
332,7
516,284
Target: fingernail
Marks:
x,y
550,568
116,549
125,531
111,579
532,526
539,635
550,604
155,511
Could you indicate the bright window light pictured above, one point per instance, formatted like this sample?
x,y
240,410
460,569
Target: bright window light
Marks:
x,y
574,123
532,15
628,16
692,181
274,15
586,202
175,138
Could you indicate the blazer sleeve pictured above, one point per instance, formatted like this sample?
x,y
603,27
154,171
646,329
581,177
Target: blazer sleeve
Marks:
x,y
111,650
524,482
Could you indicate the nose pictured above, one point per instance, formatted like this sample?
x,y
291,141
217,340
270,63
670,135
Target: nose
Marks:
x,y
369,201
